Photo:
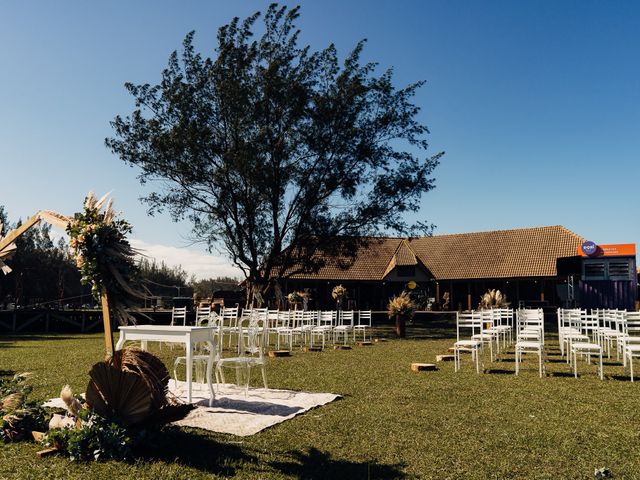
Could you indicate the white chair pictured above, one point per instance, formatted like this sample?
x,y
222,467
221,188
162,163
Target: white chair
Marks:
x,y
300,327
202,315
202,353
631,333
612,331
284,329
344,326
323,329
272,327
363,325
229,321
489,332
564,327
573,331
630,352
179,316
253,345
530,337
503,324
473,322
588,347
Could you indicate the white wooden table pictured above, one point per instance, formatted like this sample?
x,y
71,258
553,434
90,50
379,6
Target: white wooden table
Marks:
x,y
186,335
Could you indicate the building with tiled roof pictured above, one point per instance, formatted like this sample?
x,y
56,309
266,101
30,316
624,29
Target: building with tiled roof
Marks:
x,y
526,264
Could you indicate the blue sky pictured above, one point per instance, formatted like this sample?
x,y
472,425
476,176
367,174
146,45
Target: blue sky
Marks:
x,y
536,103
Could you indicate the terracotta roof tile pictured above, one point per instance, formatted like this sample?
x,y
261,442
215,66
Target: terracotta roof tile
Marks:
x,y
525,252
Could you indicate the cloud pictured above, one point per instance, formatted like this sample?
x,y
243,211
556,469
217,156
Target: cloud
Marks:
x,y
198,263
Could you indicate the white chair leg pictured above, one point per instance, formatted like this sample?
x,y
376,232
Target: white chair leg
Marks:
x,y
601,374
456,360
540,360
575,363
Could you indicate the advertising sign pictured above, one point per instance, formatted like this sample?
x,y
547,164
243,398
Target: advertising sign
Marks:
x,y
590,249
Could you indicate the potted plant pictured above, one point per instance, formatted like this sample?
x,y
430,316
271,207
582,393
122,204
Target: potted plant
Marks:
x,y
401,308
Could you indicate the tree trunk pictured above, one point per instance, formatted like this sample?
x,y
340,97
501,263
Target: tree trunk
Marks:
x,y
401,322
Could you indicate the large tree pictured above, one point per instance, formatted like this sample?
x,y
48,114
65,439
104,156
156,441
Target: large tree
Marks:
x,y
275,152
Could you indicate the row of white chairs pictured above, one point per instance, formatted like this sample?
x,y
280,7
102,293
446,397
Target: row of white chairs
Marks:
x,y
251,333
485,327
597,332
499,327
294,327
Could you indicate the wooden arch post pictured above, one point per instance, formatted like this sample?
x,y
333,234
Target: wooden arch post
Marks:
x,y
106,320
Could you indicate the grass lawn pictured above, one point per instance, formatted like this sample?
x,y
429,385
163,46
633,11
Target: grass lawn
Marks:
x,y
391,423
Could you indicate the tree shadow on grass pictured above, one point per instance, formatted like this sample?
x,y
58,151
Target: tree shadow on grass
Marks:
x,y
317,464
25,337
195,450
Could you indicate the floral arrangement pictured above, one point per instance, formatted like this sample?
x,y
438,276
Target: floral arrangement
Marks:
x,y
338,292
126,399
401,306
297,296
104,256
493,299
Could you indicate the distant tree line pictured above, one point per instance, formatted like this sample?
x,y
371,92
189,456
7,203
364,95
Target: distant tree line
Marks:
x,y
42,271
44,274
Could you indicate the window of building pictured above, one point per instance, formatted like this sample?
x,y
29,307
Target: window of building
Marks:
x,y
619,270
608,269
594,270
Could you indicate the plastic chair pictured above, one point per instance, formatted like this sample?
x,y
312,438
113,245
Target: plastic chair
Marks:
x,y
252,341
202,353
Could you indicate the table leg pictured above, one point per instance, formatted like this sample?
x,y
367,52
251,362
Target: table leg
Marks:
x,y
143,345
212,348
189,369
121,340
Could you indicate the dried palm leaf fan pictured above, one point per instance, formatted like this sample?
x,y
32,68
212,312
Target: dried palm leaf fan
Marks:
x,y
130,387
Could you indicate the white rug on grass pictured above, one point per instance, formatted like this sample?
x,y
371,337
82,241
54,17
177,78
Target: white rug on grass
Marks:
x,y
232,412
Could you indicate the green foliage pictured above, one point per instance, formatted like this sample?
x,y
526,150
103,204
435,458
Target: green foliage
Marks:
x,y
42,271
19,416
206,288
274,151
151,272
96,439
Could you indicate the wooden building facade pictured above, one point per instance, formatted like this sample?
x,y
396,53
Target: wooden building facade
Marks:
x,y
522,263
